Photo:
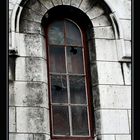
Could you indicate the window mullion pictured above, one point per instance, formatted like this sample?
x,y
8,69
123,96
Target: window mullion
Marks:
x,y
69,106
68,84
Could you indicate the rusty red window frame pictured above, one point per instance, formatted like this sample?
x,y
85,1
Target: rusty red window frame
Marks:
x,y
88,78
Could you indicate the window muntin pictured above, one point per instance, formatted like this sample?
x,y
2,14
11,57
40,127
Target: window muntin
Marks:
x,y
68,80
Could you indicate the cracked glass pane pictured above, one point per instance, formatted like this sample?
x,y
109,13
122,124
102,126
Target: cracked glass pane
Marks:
x,y
77,90
59,89
60,120
75,60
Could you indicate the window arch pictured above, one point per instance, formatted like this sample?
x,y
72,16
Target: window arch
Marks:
x,y
69,81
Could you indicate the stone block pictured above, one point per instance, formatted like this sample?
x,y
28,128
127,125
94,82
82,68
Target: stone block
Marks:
x,y
85,5
13,1
94,74
12,94
106,50
128,48
11,68
37,6
115,97
90,35
12,122
11,88
57,2
127,73
97,115
10,13
123,137
75,3
122,7
104,32
92,50
47,3
110,73
32,120
47,137
129,117
11,6
21,137
9,21
126,27
31,69
41,137
120,49
33,45
29,94
102,20
66,2
29,14
96,11
106,137
96,95
27,26
114,121
18,1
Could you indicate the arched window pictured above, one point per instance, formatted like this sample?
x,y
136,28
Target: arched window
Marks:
x,y
69,82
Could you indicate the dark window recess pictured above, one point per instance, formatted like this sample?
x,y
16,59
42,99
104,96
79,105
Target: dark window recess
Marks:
x,y
68,81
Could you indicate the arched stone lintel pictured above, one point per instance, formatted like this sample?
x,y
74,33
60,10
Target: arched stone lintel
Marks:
x,y
118,32
108,4
115,17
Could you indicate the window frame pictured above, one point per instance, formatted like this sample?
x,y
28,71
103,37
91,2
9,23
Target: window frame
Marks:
x,y
86,65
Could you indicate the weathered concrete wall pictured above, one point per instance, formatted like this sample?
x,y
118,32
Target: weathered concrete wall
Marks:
x,y
28,86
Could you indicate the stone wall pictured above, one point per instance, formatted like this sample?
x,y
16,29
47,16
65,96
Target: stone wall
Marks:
x,y
28,86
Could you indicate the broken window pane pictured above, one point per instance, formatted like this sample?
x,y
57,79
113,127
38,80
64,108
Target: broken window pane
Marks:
x,y
60,120
57,59
59,89
79,120
75,60
69,106
77,89
56,33
73,35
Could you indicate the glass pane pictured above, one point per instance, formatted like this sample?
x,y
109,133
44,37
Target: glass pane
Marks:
x,y
57,59
75,60
73,35
56,33
60,120
79,120
77,89
59,89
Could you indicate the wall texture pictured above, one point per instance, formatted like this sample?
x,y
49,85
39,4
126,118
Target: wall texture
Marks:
x,y
28,86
